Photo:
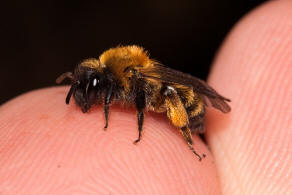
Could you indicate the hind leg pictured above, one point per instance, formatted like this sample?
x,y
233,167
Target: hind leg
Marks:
x,y
186,132
177,114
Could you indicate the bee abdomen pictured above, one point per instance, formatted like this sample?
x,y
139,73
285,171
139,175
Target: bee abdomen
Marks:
x,y
197,123
196,114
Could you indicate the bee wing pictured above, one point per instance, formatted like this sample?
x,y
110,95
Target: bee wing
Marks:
x,y
168,75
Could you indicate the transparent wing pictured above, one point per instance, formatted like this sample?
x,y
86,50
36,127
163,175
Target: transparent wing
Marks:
x,y
168,75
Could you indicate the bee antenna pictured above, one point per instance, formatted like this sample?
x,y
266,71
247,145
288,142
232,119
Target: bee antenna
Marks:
x,y
63,76
72,89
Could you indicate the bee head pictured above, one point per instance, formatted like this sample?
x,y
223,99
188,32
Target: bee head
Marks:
x,y
85,86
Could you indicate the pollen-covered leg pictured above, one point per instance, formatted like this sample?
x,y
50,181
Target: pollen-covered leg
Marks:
x,y
175,111
178,115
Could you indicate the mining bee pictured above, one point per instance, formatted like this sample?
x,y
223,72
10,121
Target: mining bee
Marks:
x,y
127,74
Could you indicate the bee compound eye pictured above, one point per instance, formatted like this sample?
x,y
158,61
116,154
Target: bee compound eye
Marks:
x,y
95,81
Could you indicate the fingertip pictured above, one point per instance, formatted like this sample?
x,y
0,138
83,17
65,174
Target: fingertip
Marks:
x,y
48,144
253,68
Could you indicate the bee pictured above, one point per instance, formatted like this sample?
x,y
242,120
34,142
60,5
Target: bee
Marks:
x,y
127,74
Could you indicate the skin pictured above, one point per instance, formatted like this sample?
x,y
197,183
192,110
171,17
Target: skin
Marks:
x,y
47,147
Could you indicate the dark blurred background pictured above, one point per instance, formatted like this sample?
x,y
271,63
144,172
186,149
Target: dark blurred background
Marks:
x,y
42,39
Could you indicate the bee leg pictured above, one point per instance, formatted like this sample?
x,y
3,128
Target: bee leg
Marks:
x,y
140,105
71,91
106,104
177,114
140,124
186,132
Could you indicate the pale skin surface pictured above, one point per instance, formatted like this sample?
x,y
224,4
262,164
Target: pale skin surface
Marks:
x,y
47,147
